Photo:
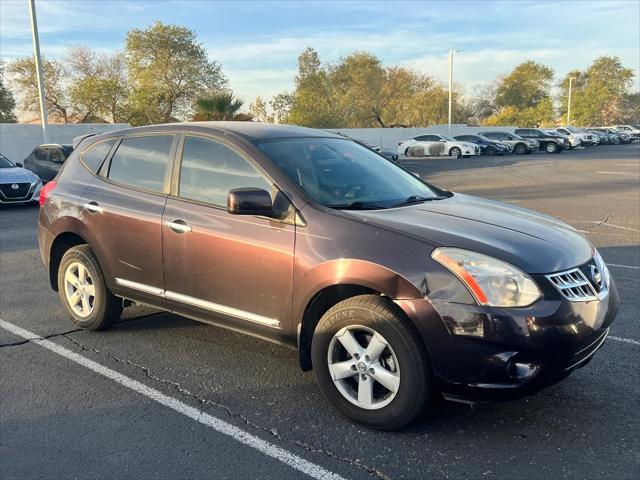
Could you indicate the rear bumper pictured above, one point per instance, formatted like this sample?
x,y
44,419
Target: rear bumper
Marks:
x,y
523,351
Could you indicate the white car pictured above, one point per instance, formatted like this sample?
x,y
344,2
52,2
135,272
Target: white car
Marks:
x,y
575,134
633,132
452,147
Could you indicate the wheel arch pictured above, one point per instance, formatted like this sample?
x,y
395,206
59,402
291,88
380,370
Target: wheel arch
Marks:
x,y
62,242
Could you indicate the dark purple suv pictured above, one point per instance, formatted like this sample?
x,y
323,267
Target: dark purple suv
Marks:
x,y
391,289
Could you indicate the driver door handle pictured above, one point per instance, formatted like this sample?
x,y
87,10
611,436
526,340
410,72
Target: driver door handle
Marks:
x,y
93,207
178,226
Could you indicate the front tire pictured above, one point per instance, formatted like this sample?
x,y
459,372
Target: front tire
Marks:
x,y
370,364
551,147
83,291
520,149
455,152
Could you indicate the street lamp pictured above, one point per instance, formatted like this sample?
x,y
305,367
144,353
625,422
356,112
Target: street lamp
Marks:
x,y
39,71
571,79
451,52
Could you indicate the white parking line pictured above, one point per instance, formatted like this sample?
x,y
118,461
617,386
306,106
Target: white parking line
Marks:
x,y
269,449
625,340
621,173
622,266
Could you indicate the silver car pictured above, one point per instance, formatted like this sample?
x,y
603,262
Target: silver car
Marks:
x,y
17,184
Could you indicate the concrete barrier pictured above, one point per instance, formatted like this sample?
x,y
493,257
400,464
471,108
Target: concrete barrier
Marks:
x,y
17,140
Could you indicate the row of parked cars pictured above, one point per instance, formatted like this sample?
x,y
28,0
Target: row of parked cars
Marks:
x,y
521,141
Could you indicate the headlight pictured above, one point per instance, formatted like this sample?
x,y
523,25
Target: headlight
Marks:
x,y
491,281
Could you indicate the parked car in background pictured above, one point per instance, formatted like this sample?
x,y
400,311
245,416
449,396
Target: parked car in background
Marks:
x,y
575,133
487,146
451,146
603,138
615,137
17,184
387,153
549,142
394,292
634,133
45,161
519,145
574,140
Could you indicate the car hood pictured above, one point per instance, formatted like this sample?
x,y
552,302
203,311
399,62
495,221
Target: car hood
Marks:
x,y
17,175
531,241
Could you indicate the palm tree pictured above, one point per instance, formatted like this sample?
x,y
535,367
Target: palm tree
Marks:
x,y
220,106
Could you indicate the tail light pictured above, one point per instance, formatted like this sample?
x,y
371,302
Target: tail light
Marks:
x,y
45,191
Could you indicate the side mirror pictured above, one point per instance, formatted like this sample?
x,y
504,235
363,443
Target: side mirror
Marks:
x,y
249,201
19,164
417,175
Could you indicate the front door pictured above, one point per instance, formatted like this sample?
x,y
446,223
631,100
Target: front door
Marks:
x,y
229,269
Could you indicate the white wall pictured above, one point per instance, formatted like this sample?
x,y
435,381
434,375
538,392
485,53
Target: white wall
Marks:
x,y
388,138
17,140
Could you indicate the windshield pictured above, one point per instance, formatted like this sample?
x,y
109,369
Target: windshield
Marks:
x,y
573,129
343,174
5,162
513,136
482,137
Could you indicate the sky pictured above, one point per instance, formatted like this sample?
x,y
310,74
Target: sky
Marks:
x,y
257,42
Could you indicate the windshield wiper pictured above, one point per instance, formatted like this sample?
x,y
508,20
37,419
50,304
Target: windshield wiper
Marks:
x,y
357,205
414,199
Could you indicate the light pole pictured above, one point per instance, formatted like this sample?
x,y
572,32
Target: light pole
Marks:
x,y
39,70
569,101
451,52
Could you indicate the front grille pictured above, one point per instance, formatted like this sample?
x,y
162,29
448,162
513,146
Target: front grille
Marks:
x,y
9,192
573,285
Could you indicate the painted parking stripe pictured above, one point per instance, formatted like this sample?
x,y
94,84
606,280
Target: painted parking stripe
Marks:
x,y
622,266
621,173
269,449
625,340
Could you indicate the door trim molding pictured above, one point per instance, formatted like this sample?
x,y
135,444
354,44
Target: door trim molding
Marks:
x,y
200,303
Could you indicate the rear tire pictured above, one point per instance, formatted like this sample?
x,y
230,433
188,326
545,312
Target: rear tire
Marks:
x,y
491,151
380,349
83,291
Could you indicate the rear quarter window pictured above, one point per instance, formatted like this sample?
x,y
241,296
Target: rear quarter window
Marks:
x,y
141,162
94,156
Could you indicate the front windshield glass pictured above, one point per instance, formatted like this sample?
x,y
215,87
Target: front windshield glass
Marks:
x,y
573,129
486,139
343,174
514,136
5,162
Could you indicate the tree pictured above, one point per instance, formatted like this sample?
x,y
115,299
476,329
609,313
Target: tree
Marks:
x,y
23,73
258,110
169,69
99,88
7,103
598,94
220,106
542,115
281,105
525,87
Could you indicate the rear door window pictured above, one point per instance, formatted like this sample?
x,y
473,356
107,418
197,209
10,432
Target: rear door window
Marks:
x,y
40,154
56,156
210,169
141,162
95,154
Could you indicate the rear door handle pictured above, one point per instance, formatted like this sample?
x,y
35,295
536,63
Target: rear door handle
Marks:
x,y
179,226
93,207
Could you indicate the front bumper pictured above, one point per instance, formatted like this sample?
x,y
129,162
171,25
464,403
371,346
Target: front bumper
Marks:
x,y
31,195
523,350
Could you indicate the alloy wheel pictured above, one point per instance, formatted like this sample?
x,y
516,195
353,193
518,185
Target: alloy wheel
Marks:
x,y
363,366
79,289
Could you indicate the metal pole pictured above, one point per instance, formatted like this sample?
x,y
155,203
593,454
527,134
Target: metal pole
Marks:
x,y
450,86
39,70
569,102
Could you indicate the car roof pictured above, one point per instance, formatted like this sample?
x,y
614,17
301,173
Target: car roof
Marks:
x,y
60,145
251,131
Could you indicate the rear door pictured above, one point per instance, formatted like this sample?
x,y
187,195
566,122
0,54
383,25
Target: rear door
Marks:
x,y
122,212
232,269
37,162
54,163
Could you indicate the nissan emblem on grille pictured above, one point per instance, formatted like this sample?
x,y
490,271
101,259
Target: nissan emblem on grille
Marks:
x,y
15,186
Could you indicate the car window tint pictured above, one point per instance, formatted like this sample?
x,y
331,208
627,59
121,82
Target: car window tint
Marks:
x,y
210,169
40,154
95,155
56,155
422,138
141,162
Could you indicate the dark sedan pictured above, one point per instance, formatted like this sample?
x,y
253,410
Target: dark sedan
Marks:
x,y
487,146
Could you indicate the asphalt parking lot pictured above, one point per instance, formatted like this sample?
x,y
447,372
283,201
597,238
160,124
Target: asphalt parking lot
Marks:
x,y
60,419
